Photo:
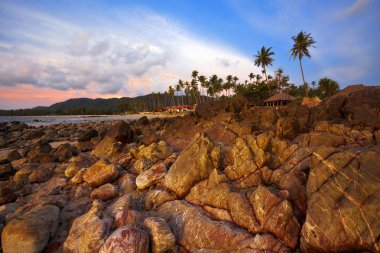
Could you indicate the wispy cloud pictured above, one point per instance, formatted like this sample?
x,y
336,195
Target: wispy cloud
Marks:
x,y
137,49
354,9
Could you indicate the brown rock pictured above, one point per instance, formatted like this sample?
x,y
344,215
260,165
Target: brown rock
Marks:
x,y
343,202
88,135
126,239
194,164
151,176
30,232
64,152
88,232
129,217
105,192
77,163
40,175
155,198
78,178
275,215
160,235
100,173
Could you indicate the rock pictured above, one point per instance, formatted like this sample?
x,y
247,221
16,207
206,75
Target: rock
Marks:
x,y
40,175
194,164
31,231
311,102
7,196
88,232
343,201
155,198
141,165
325,139
275,214
35,134
155,152
56,185
64,152
196,231
129,217
150,176
287,128
126,239
8,208
160,235
121,131
6,171
40,152
105,192
143,121
13,155
100,173
78,178
77,163
87,136
82,191
127,183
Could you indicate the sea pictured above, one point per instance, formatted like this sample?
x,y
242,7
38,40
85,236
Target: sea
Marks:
x,y
49,120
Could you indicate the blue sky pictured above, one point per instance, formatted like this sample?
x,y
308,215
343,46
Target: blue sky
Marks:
x,y
55,50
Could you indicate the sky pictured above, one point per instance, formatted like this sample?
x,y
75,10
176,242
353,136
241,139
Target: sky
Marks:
x,y
51,51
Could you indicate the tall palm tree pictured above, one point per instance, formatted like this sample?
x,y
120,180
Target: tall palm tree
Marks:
x,y
202,79
178,90
263,59
302,42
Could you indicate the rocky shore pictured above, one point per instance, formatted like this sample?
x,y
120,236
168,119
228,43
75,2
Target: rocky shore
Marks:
x,y
226,178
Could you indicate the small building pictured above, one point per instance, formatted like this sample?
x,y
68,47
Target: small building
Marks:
x,y
279,99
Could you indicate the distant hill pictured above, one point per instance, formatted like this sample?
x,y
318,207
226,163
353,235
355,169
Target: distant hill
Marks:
x,y
99,106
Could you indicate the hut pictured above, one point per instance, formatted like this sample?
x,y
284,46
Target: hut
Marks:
x,y
279,99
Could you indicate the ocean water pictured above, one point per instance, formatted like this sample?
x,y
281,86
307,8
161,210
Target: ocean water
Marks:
x,y
49,120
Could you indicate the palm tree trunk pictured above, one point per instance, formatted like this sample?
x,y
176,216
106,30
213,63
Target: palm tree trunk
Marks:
x,y
266,80
303,78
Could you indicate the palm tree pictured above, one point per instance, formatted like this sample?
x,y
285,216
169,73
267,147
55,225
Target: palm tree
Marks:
x,y
178,90
202,79
251,76
263,59
302,42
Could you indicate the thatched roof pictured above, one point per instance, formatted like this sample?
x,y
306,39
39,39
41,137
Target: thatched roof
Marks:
x,y
280,97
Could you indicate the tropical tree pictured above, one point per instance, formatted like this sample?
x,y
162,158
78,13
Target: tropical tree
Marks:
x,y
202,80
171,94
327,87
263,59
178,90
302,42
251,76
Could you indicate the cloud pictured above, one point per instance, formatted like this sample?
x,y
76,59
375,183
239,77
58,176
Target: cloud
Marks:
x,y
104,57
354,9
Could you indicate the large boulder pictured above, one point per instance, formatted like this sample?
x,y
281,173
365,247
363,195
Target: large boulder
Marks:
x,y
343,201
105,192
31,231
120,132
40,152
196,231
88,135
161,237
88,232
77,163
194,164
100,173
64,152
126,239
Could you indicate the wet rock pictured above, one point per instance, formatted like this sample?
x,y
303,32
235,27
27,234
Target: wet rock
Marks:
x,y
100,173
194,164
126,239
105,192
343,201
87,136
160,235
35,134
88,232
150,176
129,217
35,228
